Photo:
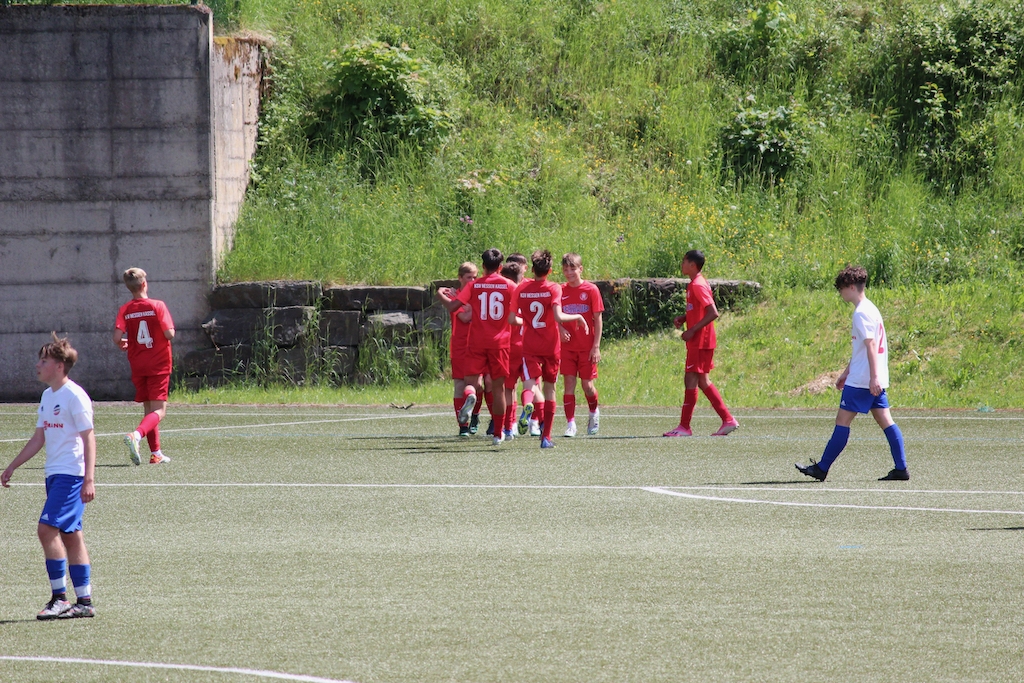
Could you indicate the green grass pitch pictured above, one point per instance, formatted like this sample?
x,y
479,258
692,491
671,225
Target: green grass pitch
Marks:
x,y
369,545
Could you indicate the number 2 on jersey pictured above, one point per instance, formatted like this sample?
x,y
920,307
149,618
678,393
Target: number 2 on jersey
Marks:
x,y
537,308
493,306
143,336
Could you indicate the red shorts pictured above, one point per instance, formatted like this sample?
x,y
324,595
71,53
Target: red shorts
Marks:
x,y
458,366
151,387
578,364
542,367
701,361
515,367
493,362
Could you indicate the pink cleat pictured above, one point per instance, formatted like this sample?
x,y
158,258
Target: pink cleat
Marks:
x,y
727,428
679,431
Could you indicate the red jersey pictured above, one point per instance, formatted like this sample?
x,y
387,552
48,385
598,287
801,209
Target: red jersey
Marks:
x,y
459,343
144,321
584,300
490,298
698,298
535,299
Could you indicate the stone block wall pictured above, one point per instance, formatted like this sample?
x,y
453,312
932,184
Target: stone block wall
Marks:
x,y
296,330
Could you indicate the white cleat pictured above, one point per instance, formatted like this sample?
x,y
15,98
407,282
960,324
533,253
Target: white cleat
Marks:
x,y
132,442
534,428
498,440
466,411
594,423
570,429
727,428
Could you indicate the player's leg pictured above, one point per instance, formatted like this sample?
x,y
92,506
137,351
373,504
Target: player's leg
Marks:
x,y
705,364
689,403
836,444
469,396
498,367
56,569
549,412
158,408
590,392
458,397
488,402
894,436
569,394
79,568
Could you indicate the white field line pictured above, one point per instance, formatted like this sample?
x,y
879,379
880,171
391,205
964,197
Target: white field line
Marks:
x,y
266,424
178,667
902,508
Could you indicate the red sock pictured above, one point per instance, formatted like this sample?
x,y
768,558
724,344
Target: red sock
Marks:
x,y
549,413
527,396
510,415
149,422
592,401
569,406
689,403
717,403
470,390
153,437
538,411
458,403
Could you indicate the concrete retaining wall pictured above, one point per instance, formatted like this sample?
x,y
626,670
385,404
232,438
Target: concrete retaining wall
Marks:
x,y
112,155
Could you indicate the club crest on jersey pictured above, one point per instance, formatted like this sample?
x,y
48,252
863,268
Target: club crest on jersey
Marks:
x,y
583,296
56,409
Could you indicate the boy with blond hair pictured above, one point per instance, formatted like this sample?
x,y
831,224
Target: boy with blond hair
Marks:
x,y
458,345
581,352
65,428
144,329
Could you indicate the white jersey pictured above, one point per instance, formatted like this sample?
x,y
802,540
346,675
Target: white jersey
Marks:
x,y
867,324
62,415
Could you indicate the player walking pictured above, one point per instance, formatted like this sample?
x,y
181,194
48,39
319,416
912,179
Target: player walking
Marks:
x,y
458,346
581,352
541,304
65,428
144,329
863,382
700,339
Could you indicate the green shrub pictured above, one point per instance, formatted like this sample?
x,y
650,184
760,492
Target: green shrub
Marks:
x,y
765,144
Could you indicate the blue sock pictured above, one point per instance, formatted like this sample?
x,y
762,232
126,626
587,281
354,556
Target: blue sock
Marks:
x,y
895,438
80,580
835,446
55,570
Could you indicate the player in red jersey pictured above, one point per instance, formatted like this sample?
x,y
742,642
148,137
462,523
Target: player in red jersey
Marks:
x,y
458,345
489,298
581,352
513,269
144,329
700,339
541,304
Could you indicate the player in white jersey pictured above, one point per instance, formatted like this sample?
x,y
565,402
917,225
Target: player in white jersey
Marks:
x,y
863,382
65,428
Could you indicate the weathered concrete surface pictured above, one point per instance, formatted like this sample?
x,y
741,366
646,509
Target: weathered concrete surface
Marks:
x,y
107,138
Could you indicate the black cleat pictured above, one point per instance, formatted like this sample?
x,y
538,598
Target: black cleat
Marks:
x,y
490,428
474,424
896,475
463,430
812,470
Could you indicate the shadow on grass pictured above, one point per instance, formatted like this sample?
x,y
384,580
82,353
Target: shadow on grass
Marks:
x,y
770,482
7,622
997,528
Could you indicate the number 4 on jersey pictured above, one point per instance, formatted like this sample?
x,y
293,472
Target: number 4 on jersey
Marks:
x,y
144,337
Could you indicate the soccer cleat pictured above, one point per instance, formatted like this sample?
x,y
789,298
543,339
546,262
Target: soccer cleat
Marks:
x,y
54,608
474,423
498,440
132,442
727,428
594,422
547,443
509,435
534,428
570,429
490,428
524,420
679,431
466,411
896,475
813,470
78,611
463,430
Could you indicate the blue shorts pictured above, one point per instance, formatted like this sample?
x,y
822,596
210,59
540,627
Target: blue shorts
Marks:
x,y
860,400
64,506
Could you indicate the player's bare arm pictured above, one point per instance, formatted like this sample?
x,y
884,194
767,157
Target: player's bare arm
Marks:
x,y
169,334
447,298
563,334
34,445
841,380
466,314
563,318
873,384
710,316
89,481
595,350
119,339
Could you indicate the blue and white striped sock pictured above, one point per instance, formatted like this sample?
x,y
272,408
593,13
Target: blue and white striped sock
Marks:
x,y
80,580
55,569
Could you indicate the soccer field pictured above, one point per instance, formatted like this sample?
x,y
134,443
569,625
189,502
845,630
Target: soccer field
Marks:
x,y
369,545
